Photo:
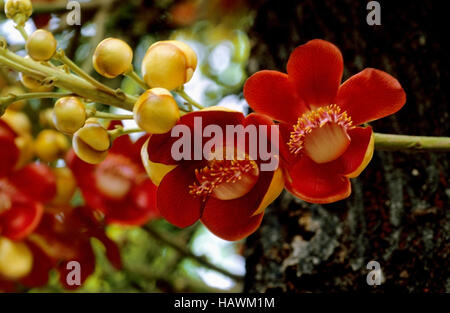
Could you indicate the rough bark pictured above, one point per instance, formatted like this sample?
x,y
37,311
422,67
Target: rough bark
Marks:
x,y
398,213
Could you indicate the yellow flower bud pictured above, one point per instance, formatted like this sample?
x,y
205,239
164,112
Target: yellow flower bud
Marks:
x,y
69,114
50,145
41,45
65,186
34,84
112,57
91,142
168,64
46,118
25,145
16,90
18,121
156,111
18,10
16,259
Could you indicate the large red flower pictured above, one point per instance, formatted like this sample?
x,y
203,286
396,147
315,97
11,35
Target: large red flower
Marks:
x,y
22,191
323,147
118,186
228,195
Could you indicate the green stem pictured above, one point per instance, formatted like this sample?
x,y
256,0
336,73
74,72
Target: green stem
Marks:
x,y
112,116
39,95
411,143
22,31
132,74
189,100
60,55
120,131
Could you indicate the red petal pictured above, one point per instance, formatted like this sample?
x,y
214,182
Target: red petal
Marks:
x,y
160,145
315,70
86,258
267,146
136,209
175,203
37,181
316,183
271,93
234,219
9,153
355,154
41,267
370,95
20,220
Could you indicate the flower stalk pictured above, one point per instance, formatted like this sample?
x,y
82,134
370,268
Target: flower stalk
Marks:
x,y
390,142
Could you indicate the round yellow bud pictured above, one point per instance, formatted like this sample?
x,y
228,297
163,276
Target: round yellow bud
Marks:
x,y
91,142
18,121
18,10
16,90
50,145
41,45
65,186
16,259
69,114
156,111
168,64
26,148
46,118
112,57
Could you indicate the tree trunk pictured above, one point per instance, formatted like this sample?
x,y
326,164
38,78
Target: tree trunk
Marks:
x,y
398,213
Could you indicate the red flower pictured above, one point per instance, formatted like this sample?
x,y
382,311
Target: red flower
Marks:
x,y
63,236
323,148
22,191
229,195
118,186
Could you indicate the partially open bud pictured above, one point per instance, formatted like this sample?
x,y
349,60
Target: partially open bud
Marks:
x,y
156,171
91,142
18,10
41,45
168,64
156,111
69,114
16,90
112,57
50,145
16,259
65,186
34,84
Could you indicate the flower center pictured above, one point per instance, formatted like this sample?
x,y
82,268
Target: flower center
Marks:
x,y
116,175
225,179
321,134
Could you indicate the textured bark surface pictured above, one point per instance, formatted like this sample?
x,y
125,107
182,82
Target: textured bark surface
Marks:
x,y
398,213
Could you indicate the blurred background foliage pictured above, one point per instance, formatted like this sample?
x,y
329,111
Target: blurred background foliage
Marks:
x,y
157,257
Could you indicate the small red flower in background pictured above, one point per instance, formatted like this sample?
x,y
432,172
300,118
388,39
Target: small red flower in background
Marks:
x,y
63,236
323,147
23,192
228,196
119,186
